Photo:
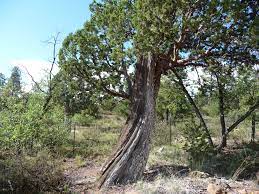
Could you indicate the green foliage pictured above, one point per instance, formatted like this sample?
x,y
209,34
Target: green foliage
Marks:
x,y
83,119
2,80
103,53
73,95
172,98
247,85
23,125
122,108
195,141
14,86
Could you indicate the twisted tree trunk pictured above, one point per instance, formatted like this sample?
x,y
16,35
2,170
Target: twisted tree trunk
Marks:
x,y
128,162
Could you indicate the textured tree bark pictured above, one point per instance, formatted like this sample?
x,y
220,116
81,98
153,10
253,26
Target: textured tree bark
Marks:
x,y
128,162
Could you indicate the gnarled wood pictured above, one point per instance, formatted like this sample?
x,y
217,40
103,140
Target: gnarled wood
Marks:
x,y
128,162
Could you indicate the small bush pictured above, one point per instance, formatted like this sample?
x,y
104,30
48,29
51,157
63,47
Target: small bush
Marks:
x,y
83,119
196,143
30,174
79,161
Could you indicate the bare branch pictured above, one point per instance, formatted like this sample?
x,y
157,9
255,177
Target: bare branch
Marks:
x,y
33,80
198,75
54,43
51,86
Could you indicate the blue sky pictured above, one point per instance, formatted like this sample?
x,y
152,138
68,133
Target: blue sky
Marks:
x,y
26,24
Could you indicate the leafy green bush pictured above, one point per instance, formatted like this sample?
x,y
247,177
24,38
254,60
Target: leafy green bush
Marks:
x,y
195,143
83,119
24,125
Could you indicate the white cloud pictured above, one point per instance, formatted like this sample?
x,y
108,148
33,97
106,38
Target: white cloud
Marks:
x,y
38,69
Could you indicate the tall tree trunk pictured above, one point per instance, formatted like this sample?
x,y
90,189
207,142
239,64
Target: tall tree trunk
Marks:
x,y
253,128
221,112
195,108
128,162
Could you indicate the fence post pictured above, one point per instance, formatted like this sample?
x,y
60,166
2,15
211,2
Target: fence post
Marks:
x,y
74,139
170,129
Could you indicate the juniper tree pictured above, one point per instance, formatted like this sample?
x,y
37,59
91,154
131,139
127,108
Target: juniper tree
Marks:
x,y
128,44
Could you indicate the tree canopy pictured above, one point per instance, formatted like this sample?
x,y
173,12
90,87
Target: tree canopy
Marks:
x,y
179,33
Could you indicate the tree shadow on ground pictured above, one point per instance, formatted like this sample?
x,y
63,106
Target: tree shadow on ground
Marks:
x,y
239,162
165,171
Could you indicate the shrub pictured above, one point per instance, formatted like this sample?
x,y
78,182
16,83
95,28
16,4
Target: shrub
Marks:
x,y
30,174
23,125
195,143
83,119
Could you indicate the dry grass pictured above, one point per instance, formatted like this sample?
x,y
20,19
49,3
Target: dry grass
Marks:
x,y
23,173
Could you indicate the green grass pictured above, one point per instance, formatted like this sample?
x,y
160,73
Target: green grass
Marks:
x,y
95,140
167,155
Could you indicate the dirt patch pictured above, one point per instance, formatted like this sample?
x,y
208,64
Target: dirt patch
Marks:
x,y
80,178
157,179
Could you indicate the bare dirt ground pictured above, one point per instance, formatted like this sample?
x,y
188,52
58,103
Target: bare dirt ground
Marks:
x,y
159,179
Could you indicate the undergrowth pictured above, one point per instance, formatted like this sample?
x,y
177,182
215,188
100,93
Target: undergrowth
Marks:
x,y
24,173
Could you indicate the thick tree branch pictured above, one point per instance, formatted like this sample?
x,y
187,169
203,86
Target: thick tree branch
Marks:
x,y
196,109
113,92
168,64
243,117
195,58
238,121
106,89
